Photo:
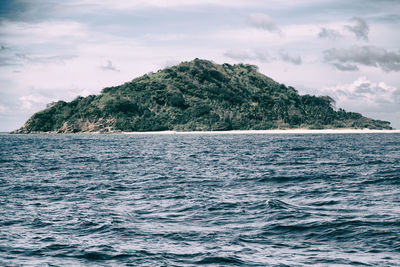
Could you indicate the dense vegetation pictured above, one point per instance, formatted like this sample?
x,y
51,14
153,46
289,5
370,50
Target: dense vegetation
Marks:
x,y
197,95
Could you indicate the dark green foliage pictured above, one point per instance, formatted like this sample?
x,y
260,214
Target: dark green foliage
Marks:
x,y
118,105
197,95
199,110
176,100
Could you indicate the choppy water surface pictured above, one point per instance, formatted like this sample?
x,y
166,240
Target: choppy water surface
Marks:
x,y
183,200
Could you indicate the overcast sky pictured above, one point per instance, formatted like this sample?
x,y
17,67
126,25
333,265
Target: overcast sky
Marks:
x,y
52,50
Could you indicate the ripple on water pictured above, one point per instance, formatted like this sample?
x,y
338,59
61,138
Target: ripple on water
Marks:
x,y
218,200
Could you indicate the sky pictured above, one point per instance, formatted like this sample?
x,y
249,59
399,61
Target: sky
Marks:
x,y
54,50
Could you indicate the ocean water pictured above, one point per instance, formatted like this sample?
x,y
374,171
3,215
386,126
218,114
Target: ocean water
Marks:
x,y
200,200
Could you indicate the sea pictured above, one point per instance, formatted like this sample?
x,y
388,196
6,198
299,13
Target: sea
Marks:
x,y
200,200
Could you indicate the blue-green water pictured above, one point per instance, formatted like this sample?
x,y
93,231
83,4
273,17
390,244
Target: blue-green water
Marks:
x,y
186,200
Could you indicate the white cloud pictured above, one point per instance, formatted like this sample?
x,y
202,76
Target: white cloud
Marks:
x,y
261,56
35,99
345,67
125,5
290,34
291,59
254,38
42,59
360,29
247,36
365,95
140,4
329,33
263,21
241,55
109,67
168,37
28,102
170,63
364,55
42,32
2,109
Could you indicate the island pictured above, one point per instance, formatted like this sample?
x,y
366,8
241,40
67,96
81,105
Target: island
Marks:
x,y
197,95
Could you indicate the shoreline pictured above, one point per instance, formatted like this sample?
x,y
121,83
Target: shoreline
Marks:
x,y
287,131
274,131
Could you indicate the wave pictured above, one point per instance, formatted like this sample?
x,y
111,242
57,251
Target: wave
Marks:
x,y
228,260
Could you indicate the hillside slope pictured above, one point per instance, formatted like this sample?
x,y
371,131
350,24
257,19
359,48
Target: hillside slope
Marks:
x,y
196,95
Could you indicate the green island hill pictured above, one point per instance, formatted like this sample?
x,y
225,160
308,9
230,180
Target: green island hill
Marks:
x,y
198,95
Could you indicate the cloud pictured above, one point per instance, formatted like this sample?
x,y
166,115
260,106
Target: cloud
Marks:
x,y
243,55
366,95
345,67
3,109
143,4
262,56
34,98
329,34
170,62
19,59
239,55
43,32
142,35
8,61
360,29
263,21
47,10
389,18
364,55
109,67
5,58
28,102
291,59
40,59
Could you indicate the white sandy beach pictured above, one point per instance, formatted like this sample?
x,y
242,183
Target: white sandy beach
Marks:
x,y
288,131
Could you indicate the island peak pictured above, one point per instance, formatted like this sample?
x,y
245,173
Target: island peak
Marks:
x,y
197,95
